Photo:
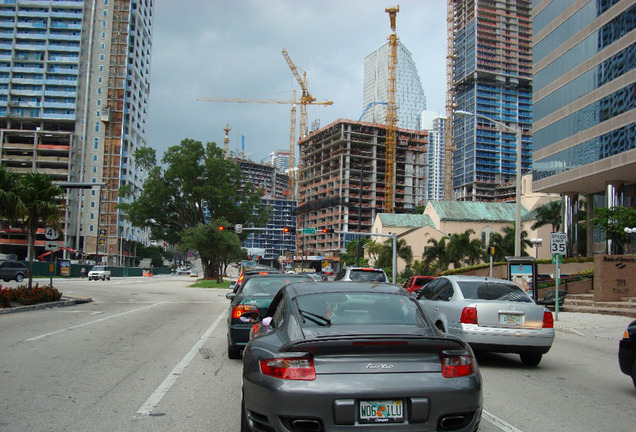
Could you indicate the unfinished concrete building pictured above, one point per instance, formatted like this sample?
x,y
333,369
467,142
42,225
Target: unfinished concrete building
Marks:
x,y
342,181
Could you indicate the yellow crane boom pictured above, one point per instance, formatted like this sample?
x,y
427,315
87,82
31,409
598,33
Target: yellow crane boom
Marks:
x,y
292,133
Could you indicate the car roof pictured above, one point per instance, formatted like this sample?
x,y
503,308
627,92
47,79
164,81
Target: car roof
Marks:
x,y
464,278
281,276
300,288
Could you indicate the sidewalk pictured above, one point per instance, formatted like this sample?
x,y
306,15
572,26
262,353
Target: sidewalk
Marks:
x,y
595,325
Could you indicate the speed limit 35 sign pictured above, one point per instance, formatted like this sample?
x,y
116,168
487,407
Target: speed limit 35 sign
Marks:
x,y
557,243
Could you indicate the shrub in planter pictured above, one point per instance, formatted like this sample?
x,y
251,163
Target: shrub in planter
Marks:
x,y
37,294
5,297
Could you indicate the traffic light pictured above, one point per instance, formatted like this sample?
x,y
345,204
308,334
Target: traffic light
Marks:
x,y
286,229
221,228
327,231
491,250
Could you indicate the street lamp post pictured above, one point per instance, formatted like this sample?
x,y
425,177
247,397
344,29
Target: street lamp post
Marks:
x,y
518,132
536,242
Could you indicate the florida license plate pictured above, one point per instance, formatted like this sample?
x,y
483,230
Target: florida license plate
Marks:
x,y
381,411
510,319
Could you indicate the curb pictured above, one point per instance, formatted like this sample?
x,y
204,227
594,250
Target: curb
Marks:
x,y
63,302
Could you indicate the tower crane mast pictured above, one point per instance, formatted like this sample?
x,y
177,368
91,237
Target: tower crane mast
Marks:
x,y
391,115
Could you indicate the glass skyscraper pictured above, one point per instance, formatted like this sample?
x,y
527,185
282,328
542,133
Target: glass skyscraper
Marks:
x,y
584,102
410,98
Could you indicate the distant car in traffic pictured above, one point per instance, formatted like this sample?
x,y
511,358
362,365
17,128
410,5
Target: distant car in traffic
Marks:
x,y
361,274
13,270
415,283
491,314
627,352
99,272
335,356
250,302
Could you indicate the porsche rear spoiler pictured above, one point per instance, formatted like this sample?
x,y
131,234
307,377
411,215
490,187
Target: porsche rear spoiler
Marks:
x,y
350,344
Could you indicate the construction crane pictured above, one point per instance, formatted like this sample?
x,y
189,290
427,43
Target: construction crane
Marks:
x,y
292,133
450,101
226,141
391,115
305,99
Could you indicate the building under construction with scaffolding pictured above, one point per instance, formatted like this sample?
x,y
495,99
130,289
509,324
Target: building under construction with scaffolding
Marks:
x,y
490,43
342,181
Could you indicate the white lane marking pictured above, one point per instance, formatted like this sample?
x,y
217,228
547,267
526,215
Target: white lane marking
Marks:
x,y
164,387
91,322
504,426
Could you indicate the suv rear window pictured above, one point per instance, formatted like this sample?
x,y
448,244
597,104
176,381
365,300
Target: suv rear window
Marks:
x,y
365,275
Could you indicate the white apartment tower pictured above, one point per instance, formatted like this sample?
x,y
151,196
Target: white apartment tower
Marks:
x,y
435,124
74,86
410,98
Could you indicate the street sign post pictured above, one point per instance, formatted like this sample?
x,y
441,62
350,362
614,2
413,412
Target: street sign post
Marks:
x,y
558,242
51,245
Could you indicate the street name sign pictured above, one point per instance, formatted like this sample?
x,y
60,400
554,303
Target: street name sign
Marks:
x,y
309,230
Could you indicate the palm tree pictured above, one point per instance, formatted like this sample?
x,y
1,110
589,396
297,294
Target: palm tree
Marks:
x,y
40,199
436,256
549,214
505,245
10,205
463,250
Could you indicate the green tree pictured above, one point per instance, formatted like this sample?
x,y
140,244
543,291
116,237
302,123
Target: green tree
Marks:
x,y
349,257
436,257
612,221
193,183
505,244
213,246
385,256
549,214
40,198
11,208
464,250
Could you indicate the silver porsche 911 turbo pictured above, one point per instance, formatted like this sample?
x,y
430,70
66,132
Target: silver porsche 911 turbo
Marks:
x,y
342,356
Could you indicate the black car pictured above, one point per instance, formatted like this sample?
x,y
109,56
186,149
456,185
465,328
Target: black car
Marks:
x,y
627,352
13,270
335,356
249,302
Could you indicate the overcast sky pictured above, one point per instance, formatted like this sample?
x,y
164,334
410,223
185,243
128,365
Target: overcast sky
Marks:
x,y
220,48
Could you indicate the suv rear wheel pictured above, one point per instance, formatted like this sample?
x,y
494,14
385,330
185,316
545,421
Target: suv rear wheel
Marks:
x,y
19,277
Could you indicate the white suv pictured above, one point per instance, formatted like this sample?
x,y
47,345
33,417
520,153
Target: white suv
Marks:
x,y
99,272
361,274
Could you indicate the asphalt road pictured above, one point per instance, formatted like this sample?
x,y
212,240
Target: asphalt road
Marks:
x,y
149,354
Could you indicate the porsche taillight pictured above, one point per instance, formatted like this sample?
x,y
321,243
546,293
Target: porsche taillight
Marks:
x,y
457,365
242,309
548,320
289,368
469,315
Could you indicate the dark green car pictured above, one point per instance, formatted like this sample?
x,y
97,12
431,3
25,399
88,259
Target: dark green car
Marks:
x,y
249,304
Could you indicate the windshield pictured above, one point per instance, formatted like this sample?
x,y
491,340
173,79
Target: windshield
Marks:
x,y
480,290
98,268
367,308
268,286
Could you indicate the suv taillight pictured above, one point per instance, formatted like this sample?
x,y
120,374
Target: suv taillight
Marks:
x,y
469,315
548,320
289,368
455,366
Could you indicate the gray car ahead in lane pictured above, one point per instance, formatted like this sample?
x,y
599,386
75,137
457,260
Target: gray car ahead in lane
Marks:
x,y
342,356
490,314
